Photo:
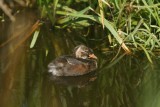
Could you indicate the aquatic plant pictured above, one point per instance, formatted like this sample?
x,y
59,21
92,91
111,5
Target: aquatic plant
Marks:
x,y
133,25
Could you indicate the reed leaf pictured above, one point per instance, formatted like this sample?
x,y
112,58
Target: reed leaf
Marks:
x,y
98,20
101,12
34,39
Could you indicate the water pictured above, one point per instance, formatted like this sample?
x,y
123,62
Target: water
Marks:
x,y
128,81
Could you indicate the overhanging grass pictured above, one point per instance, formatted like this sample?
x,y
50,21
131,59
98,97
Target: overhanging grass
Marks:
x,y
135,23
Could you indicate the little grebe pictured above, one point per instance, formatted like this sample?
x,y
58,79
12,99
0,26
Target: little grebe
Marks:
x,y
81,62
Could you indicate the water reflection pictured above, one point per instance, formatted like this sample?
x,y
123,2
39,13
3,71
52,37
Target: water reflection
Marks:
x,y
12,58
128,81
75,81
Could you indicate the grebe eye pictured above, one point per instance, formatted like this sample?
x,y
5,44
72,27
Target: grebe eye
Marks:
x,y
85,53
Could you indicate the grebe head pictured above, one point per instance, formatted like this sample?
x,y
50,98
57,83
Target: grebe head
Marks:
x,y
81,51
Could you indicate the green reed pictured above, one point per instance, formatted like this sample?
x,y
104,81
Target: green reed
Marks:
x,y
134,25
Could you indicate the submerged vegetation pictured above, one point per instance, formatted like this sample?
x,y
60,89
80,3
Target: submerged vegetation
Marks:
x,y
132,25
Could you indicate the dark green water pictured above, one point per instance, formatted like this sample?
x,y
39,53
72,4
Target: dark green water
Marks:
x,y
128,81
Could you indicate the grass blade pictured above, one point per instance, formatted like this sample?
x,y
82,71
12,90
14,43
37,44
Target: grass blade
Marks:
x,y
146,52
101,12
35,36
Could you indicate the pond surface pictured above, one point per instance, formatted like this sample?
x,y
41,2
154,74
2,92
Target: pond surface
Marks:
x,y
127,81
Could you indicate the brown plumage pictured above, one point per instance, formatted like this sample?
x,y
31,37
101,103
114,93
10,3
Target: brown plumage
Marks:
x,y
81,62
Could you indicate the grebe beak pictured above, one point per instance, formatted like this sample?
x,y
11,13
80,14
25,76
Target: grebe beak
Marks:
x,y
92,56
